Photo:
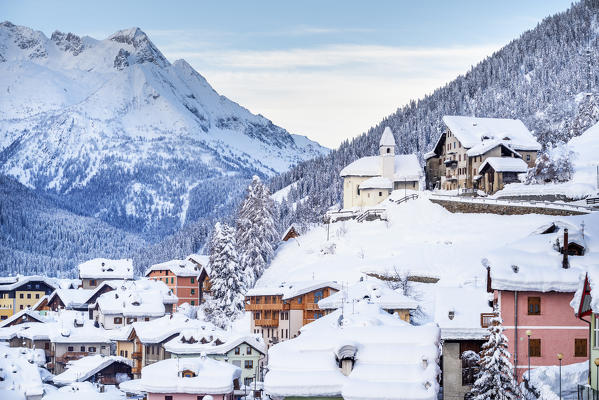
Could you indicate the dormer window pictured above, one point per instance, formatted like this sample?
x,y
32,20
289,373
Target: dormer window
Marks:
x,y
188,373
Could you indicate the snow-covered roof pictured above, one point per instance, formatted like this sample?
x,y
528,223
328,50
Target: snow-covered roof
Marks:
x,y
458,312
139,298
292,289
177,267
534,263
199,259
19,368
27,315
406,167
376,182
73,298
387,138
488,145
12,283
393,359
211,340
85,391
103,268
430,154
373,291
470,131
85,367
159,329
211,376
504,164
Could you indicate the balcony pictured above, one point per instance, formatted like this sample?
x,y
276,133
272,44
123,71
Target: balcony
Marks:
x,y
311,306
71,355
451,178
268,306
450,162
136,355
266,322
485,319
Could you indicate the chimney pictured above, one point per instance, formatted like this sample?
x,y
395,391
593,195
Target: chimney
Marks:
x,y
565,264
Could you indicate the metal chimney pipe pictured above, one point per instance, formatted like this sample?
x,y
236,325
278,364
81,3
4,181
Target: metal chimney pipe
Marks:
x,y
565,264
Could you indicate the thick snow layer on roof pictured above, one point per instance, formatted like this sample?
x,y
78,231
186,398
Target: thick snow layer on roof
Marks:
x,y
143,297
505,164
73,298
160,329
470,131
290,290
373,291
82,369
487,145
20,372
199,259
85,391
387,138
377,182
103,268
406,167
534,262
177,267
210,340
211,376
25,314
458,311
393,359
12,283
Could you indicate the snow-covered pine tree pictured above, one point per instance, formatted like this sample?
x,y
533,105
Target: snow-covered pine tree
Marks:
x,y
495,379
256,231
552,165
227,284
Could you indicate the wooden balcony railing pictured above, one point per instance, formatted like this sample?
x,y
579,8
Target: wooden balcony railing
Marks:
x,y
71,355
269,306
266,322
136,355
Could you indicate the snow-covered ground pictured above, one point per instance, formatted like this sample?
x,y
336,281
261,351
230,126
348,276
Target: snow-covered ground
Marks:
x,y
547,380
584,182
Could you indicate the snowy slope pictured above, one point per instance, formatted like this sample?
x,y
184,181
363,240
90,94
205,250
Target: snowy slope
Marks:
x,y
82,117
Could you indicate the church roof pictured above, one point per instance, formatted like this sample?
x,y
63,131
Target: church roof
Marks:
x,y
387,138
406,166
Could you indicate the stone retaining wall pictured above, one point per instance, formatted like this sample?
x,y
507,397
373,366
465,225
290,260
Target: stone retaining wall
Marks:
x,y
502,209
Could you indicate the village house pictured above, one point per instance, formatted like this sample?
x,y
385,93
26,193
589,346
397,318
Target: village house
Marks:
x,y
279,312
463,314
21,292
373,291
202,262
182,277
459,158
21,372
290,233
189,378
244,351
94,272
370,180
105,370
132,301
75,299
143,342
357,352
533,281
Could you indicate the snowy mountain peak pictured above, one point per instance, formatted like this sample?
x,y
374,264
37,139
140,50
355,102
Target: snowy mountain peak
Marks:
x,y
114,116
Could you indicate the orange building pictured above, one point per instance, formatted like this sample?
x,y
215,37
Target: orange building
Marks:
x,y
182,277
278,313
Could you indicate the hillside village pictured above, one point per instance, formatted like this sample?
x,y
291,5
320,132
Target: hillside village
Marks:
x,y
398,294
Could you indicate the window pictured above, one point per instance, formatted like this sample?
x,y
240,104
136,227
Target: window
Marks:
x,y
21,296
82,348
172,280
528,157
248,381
535,348
168,397
580,347
37,295
257,300
118,320
91,349
193,291
380,194
121,353
193,280
46,346
28,295
103,347
274,299
318,295
21,307
534,306
249,350
126,353
193,303
248,364
299,300
266,299
146,318
257,315
70,348
237,350
358,191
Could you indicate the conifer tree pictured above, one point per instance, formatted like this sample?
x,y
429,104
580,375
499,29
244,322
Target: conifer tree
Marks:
x,y
495,379
226,280
256,231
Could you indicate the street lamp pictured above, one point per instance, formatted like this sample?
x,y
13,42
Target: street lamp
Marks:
x,y
528,333
597,369
560,356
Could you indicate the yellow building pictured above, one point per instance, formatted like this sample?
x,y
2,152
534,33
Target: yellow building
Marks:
x,y
21,292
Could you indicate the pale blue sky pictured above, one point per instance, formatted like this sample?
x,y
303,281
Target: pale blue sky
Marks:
x,y
326,69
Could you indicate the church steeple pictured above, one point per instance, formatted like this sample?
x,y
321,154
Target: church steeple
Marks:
x,y
387,154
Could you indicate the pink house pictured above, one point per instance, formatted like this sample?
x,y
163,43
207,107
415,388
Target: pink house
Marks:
x,y
533,284
193,378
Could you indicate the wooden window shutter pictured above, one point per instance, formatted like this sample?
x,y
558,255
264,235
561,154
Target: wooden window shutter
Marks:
x,y
534,306
535,347
580,347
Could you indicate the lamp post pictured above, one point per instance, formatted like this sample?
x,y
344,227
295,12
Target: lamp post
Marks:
x,y
560,356
528,333
597,376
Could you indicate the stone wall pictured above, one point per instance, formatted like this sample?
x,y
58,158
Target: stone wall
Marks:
x,y
502,209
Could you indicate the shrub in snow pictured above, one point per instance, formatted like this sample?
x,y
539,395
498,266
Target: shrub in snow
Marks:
x,y
256,231
553,165
227,283
495,379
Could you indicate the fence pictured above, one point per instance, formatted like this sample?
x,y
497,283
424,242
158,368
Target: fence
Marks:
x,y
585,392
